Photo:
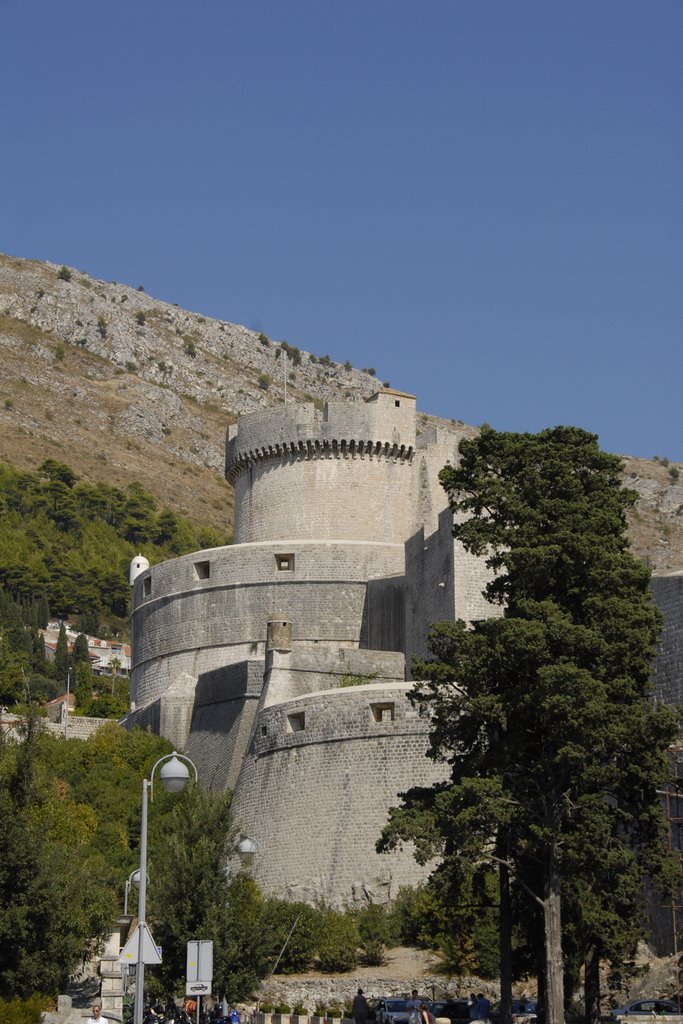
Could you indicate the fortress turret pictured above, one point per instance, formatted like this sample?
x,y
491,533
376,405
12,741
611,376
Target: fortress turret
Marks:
x,y
343,477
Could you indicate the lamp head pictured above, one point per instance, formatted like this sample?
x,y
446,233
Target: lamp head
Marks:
x,y
174,775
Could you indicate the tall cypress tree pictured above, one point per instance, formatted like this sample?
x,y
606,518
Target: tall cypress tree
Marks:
x,y
545,713
62,655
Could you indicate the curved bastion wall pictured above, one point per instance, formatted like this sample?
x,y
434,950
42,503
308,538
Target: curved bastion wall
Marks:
x,y
346,476
200,612
315,787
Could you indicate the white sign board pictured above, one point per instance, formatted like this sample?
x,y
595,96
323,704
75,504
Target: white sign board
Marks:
x,y
199,966
197,988
151,953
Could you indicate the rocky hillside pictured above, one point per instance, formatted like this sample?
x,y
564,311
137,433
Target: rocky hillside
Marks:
x,y
123,387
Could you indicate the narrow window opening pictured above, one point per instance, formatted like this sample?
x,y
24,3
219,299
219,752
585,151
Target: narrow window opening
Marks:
x,y
264,730
397,403
296,722
285,563
383,712
202,570
147,586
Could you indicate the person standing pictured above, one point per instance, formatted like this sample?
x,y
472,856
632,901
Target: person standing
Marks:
x,y
359,1007
96,1015
413,1007
483,1007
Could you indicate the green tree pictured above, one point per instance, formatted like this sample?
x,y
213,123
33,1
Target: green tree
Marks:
x,y
544,714
377,930
82,687
192,896
48,917
338,943
62,655
81,654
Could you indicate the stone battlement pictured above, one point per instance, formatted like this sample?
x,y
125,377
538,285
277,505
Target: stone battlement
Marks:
x,y
381,427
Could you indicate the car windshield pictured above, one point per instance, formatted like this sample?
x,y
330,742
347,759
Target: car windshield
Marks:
x,y
396,1004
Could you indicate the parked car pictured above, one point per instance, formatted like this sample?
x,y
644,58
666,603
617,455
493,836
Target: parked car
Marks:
x,y
392,1011
524,1007
456,1010
646,1007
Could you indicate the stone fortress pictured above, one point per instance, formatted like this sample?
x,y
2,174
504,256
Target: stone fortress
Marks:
x,y
281,664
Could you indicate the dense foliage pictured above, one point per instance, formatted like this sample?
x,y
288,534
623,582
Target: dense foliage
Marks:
x,y
65,551
70,813
70,840
70,543
544,714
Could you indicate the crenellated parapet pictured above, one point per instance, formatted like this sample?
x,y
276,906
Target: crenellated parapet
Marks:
x,y
334,448
383,427
342,475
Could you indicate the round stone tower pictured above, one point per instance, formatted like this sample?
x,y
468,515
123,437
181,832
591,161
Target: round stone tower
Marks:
x,y
346,477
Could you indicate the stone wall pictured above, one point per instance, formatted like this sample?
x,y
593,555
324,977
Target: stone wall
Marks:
x,y
668,676
320,774
185,625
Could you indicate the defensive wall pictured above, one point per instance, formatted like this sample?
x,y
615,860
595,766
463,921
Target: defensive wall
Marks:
x,y
321,771
343,537
201,612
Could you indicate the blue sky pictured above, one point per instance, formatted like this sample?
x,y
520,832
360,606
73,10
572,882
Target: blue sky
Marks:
x,y
479,198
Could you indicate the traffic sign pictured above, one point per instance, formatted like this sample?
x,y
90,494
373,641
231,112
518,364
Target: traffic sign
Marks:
x,y
199,965
151,953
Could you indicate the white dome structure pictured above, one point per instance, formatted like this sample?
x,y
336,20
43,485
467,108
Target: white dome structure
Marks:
x,y
138,565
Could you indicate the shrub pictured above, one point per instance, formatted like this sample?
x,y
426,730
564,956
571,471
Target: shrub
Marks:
x,y
64,274
377,930
41,292
358,680
189,345
338,943
102,326
300,1010
140,316
348,365
282,1008
130,366
22,1011
266,1007
264,381
674,472
59,351
8,403
664,461
264,339
140,288
335,1011
325,361
292,351
371,370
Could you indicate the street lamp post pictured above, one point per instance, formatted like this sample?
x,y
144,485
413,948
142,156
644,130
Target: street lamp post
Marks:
x,y
133,879
174,776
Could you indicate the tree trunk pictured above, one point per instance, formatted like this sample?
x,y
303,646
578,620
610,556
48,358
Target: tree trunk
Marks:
x,y
592,985
552,922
